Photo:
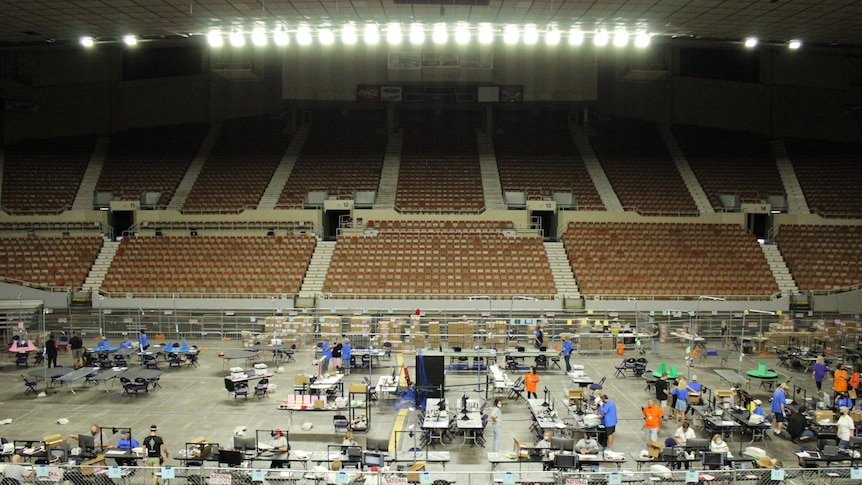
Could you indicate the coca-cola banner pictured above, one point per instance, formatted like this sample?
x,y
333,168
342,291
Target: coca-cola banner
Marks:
x,y
368,93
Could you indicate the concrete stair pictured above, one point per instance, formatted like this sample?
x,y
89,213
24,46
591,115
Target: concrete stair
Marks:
x,y
312,284
796,203
597,173
87,190
561,270
191,176
389,174
100,266
276,185
491,188
779,269
685,171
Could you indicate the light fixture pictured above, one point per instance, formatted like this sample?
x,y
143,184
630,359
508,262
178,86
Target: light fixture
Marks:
x,y
510,34
601,38
326,36
348,34
393,34
462,34
417,34
621,38
440,35
280,37
794,44
87,41
576,37
237,39
372,34
552,37
486,34
258,36
531,34
751,42
214,38
303,35
642,39
130,40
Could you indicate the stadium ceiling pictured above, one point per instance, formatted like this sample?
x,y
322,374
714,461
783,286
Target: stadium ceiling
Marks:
x,y
815,22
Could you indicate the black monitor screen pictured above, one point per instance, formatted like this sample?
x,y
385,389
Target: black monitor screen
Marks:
x,y
372,459
244,442
87,442
713,459
697,444
230,458
564,461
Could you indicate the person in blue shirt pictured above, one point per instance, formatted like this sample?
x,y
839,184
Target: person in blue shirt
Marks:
x,y
757,408
843,400
681,404
126,442
694,389
345,356
567,352
540,338
326,349
779,402
144,341
608,414
126,343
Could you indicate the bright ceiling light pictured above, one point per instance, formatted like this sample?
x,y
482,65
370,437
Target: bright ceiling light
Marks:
x,y
87,41
486,34
258,36
393,34
214,38
642,40
372,34
440,35
280,37
621,38
751,42
462,34
326,36
130,40
303,35
511,34
576,37
601,38
348,34
237,39
531,34
552,37
794,44
417,34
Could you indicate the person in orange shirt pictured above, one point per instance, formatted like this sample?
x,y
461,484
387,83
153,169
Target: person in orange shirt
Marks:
x,y
530,381
840,379
652,420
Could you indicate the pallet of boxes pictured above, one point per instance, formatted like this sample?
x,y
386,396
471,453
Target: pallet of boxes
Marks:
x,y
415,337
496,335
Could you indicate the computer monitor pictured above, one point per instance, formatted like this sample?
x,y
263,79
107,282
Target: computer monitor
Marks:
x,y
566,444
377,444
87,442
712,459
441,405
565,461
230,458
697,444
372,459
244,443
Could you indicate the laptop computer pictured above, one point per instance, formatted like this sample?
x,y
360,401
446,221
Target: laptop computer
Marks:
x,y
830,450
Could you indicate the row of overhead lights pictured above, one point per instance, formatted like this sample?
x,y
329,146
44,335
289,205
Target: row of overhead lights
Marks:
x,y
416,34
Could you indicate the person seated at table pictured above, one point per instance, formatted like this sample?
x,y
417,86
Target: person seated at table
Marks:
x,y
588,445
126,343
126,442
757,408
683,434
16,471
103,343
330,477
797,427
843,401
278,444
347,442
718,445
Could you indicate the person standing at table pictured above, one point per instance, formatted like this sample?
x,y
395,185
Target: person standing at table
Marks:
x,y
609,420
846,428
336,354
567,352
681,405
539,337
661,393
51,351
144,341
652,420
725,332
326,355
76,343
840,380
156,450
346,350
779,404
496,418
531,380
820,370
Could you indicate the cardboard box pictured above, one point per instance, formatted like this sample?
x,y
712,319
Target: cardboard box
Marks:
x,y
856,415
824,415
654,449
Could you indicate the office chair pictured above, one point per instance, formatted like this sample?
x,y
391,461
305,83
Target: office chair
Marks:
x,y
340,423
262,388
38,359
598,385
175,360
120,361
240,389
21,359
150,362
31,386
192,359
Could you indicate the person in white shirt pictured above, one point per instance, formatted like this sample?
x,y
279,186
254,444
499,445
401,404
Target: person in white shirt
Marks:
x,y
496,418
683,434
718,445
16,471
846,427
